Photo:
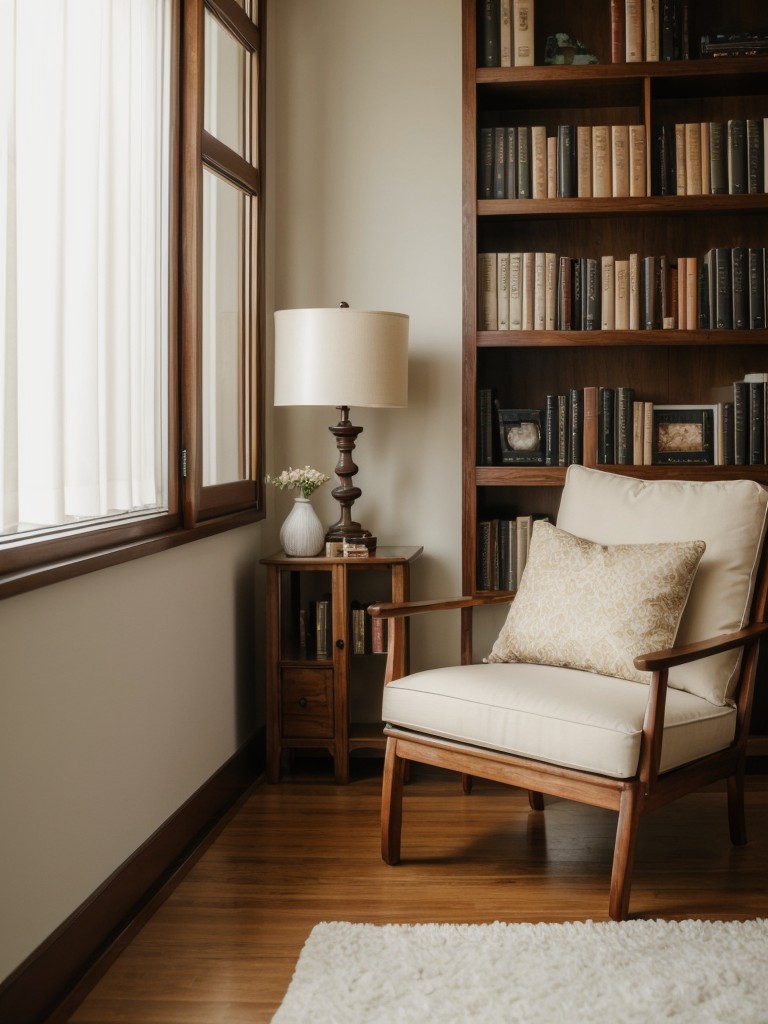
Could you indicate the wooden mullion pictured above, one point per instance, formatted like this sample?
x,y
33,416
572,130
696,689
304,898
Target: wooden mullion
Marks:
x,y
235,20
230,165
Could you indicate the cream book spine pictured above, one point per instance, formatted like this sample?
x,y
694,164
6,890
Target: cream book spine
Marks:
x,y
652,36
551,167
584,161
539,162
550,303
637,433
539,291
486,290
620,160
601,162
502,290
527,282
680,159
693,184
522,33
692,293
637,161
607,293
705,168
621,295
515,291
505,20
682,291
634,291
633,30
647,433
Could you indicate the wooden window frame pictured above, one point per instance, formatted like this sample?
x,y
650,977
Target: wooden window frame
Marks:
x,y
194,511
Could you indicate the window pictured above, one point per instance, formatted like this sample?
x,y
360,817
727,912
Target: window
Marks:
x,y
130,403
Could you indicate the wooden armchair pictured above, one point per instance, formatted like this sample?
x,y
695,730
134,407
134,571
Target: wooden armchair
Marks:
x,y
571,703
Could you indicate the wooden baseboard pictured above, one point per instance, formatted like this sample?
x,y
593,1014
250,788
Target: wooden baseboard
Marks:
x,y
50,983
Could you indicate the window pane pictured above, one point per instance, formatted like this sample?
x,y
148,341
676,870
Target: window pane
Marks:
x,y
84,261
227,105
226,331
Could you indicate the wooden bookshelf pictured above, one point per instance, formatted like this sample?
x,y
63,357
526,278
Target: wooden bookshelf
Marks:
x,y
671,367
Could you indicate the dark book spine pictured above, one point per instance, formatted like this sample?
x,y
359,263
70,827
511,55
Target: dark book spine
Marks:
x,y
739,288
721,281
523,163
670,32
756,261
550,430
740,423
578,276
702,296
756,424
485,164
510,185
737,157
664,291
564,298
606,426
485,427
650,314
591,297
499,163
483,554
685,30
618,46
562,430
490,34
728,456
662,171
566,161
718,159
576,426
755,165
625,398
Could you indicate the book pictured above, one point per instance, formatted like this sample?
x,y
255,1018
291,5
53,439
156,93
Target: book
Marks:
x,y
740,423
528,284
740,288
647,433
500,161
756,270
490,41
624,426
621,295
562,430
650,308
505,33
564,297
486,427
706,185
510,181
607,293
584,160
551,167
507,545
379,636
618,40
693,185
502,291
539,162
637,433
682,292
633,31
637,160
663,181
652,30
522,28
539,291
670,30
721,285
323,628
487,298
620,160
680,168
550,291
634,291
755,156
718,158
606,454
567,180
357,615
602,186
515,291
691,298
590,432
485,164
523,537
575,426
756,428
524,181
590,296
550,430
737,156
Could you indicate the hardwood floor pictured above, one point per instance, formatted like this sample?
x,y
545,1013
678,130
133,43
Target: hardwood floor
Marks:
x,y
223,946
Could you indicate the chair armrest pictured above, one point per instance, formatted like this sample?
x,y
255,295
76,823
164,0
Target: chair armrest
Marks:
x,y
658,660
395,609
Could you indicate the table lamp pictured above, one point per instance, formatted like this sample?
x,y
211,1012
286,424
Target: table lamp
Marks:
x,y
342,357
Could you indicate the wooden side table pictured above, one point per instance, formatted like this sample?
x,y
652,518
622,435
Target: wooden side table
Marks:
x,y
321,665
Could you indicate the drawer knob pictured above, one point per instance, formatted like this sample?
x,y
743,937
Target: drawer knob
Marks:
x,y
303,702
340,644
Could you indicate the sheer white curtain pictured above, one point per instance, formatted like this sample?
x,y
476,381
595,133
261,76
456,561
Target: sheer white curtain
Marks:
x,y
84,214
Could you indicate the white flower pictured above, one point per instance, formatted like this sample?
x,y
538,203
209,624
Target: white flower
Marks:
x,y
307,479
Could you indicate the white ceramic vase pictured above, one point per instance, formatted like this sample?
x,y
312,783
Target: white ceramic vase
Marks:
x,y
302,534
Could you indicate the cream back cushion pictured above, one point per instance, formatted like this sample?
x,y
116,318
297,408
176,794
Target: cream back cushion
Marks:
x,y
596,607
728,515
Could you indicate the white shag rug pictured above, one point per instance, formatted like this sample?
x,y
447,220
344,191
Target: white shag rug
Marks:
x,y
689,972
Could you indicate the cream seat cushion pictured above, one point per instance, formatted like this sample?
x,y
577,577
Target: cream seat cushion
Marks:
x,y
560,715
728,515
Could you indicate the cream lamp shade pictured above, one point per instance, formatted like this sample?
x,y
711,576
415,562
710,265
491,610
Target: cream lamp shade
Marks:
x,y
342,357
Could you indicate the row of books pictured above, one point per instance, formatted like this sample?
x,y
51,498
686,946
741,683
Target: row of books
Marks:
x,y
710,158
524,162
649,30
506,33
502,551
368,636
540,291
611,426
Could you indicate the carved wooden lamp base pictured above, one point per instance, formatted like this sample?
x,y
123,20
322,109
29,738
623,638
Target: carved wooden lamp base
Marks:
x,y
346,529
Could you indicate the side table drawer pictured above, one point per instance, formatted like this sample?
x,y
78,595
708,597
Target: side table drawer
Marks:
x,y
306,703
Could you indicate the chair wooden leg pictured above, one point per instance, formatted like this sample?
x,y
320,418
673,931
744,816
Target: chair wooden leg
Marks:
x,y
737,821
392,803
536,800
624,853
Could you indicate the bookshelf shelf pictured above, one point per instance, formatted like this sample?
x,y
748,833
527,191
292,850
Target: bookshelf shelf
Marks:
x,y
318,702
521,368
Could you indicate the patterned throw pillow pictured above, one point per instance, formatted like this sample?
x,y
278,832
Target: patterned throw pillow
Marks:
x,y
596,607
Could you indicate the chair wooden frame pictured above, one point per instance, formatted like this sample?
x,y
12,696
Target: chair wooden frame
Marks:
x,y
631,797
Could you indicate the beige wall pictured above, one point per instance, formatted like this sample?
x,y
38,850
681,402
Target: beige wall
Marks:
x,y
365,183
122,691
